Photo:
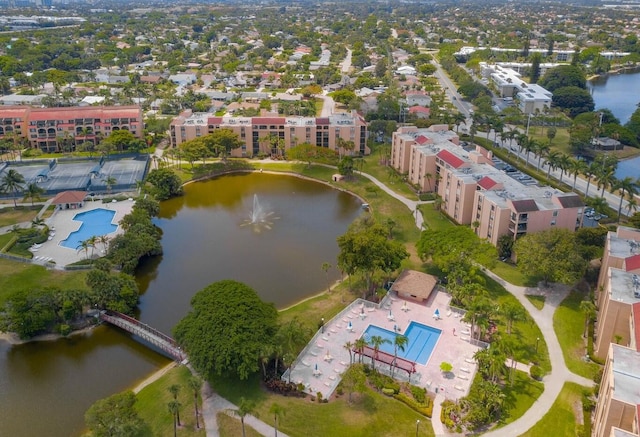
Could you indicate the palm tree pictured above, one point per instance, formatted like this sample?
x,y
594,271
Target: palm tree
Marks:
x,y
84,245
325,268
577,166
512,313
606,178
632,205
349,347
590,171
110,181
564,162
376,342
12,183
278,411
33,192
458,119
195,384
92,243
174,409
174,389
626,185
399,342
589,310
360,344
428,177
541,150
245,407
104,240
553,158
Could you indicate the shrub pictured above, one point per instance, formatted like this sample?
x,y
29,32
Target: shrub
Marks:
x,y
536,372
422,408
64,329
388,391
419,393
319,397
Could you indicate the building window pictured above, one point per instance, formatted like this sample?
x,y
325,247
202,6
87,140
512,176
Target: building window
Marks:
x,y
555,213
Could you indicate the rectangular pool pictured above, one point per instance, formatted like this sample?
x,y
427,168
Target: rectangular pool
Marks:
x,y
422,341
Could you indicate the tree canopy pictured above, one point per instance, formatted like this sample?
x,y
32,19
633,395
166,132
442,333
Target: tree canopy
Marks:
x,y
574,99
563,76
226,329
115,416
550,255
166,183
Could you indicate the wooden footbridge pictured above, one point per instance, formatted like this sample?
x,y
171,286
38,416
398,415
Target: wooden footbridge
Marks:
x,y
151,335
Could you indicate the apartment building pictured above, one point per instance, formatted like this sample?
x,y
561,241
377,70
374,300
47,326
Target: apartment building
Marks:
x,y
618,404
51,129
476,193
530,98
618,290
253,131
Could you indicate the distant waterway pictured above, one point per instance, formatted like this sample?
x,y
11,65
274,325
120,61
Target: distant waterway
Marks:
x,y
617,92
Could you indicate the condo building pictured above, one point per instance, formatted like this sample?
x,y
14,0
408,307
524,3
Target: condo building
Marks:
x,y
52,129
329,132
474,192
529,98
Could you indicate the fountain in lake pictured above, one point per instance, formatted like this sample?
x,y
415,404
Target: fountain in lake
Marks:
x,y
259,218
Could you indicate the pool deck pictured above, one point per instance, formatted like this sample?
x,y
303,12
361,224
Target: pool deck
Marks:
x,y
61,224
320,365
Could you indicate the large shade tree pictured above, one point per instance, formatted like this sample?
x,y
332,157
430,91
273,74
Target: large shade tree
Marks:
x,y
550,255
226,329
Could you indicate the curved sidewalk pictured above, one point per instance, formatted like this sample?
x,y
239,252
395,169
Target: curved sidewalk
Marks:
x,y
554,381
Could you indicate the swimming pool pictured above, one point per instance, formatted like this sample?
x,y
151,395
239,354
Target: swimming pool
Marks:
x,y
422,341
95,223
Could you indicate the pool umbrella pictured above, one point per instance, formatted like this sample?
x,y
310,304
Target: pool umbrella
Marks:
x,y
437,313
349,327
316,366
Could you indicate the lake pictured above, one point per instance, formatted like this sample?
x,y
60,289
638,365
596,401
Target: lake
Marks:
x,y
615,92
45,388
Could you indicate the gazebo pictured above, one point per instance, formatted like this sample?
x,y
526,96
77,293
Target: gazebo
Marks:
x,y
70,199
415,285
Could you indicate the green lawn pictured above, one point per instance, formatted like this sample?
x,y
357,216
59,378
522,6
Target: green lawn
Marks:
x,y
559,143
520,396
17,276
568,322
152,405
510,273
12,216
387,175
434,219
231,427
560,421
525,332
536,301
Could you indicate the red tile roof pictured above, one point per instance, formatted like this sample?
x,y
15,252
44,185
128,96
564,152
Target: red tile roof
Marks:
x,y
486,182
419,109
14,111
632,263
69,197
214,120
422,139
323,121
450,159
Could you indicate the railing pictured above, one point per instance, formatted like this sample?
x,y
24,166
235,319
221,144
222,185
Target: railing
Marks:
x,y
146,332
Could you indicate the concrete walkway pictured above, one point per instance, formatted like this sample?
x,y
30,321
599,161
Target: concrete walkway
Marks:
x,y
554,381
213,403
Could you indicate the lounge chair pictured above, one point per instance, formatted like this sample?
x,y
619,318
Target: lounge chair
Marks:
x,y
465,377
344,363
320,345
327,384
372,309
333,330
465,369
325,338
304,363
449,313
470,360
459,387
333,378
315,354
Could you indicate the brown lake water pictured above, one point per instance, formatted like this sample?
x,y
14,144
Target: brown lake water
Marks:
x,y
46,387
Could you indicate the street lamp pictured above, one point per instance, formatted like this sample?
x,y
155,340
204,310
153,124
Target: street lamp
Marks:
x,y
322,324
537,341
417,426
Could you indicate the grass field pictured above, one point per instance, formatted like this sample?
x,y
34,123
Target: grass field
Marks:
x,y
17,276
231,427
371,414
568,323
152,405
520,396
560,421
12,216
